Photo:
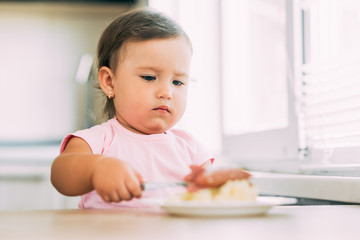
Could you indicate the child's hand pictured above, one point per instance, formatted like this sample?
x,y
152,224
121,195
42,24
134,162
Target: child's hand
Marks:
x,y
114,180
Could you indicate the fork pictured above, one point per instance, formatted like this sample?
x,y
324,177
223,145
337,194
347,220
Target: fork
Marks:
x,y
146,186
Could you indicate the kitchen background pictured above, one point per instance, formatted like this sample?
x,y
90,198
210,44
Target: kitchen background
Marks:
x,y
265,77
46,91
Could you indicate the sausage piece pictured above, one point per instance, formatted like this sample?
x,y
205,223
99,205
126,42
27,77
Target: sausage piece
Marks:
x,y
200,178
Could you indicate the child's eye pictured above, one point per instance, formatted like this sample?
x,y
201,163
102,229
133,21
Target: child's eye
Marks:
x,y
148,78
177,83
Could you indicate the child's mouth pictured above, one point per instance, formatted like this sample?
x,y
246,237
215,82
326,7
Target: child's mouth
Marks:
x,y
164,109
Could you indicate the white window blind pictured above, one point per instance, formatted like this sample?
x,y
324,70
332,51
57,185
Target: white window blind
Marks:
x,y
332,105
330,101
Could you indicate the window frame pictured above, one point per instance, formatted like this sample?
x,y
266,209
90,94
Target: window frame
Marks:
x,y
315,160
281,150
279,147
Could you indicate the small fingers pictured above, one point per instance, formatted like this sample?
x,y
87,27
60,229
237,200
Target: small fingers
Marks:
x,y
114,197
121,187
125,194
133,184
134,188
105,197
138,176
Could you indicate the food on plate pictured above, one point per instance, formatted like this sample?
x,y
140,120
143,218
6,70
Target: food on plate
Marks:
x,y
218,185
203,178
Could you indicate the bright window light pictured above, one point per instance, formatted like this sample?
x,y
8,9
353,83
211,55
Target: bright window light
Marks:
x,y
331,82
254,66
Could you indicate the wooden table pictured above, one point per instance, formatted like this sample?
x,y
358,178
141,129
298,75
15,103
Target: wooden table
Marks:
x,y
283,222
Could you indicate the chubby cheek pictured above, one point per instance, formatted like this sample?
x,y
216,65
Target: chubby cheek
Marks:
x,y
181,105
127,105
136,108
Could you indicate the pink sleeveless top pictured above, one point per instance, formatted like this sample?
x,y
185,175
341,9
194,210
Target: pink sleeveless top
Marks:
x,y
158,158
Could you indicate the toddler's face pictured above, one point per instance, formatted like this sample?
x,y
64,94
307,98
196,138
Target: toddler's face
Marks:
x,y
151,82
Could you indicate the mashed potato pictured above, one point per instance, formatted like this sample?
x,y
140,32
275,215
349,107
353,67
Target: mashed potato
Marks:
x,y
231,190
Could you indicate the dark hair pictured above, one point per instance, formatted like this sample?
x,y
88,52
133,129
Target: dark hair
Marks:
x,y
136,25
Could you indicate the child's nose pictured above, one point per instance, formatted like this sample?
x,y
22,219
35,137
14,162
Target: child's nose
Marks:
x,y
164,91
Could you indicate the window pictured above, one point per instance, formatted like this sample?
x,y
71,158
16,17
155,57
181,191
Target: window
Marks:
x,y
260,125
330,83
286,89
254,62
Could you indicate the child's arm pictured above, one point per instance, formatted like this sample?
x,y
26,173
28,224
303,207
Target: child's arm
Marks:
x,y
77,171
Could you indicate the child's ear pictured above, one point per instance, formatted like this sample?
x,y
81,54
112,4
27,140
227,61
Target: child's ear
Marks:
x,y
106,80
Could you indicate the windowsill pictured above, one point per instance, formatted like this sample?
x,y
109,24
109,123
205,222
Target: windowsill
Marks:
x,y
333,188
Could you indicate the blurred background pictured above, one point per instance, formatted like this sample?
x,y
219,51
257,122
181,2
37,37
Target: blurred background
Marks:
x,y
275,85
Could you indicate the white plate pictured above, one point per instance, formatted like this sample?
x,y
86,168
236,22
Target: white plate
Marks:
x,y
231,208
